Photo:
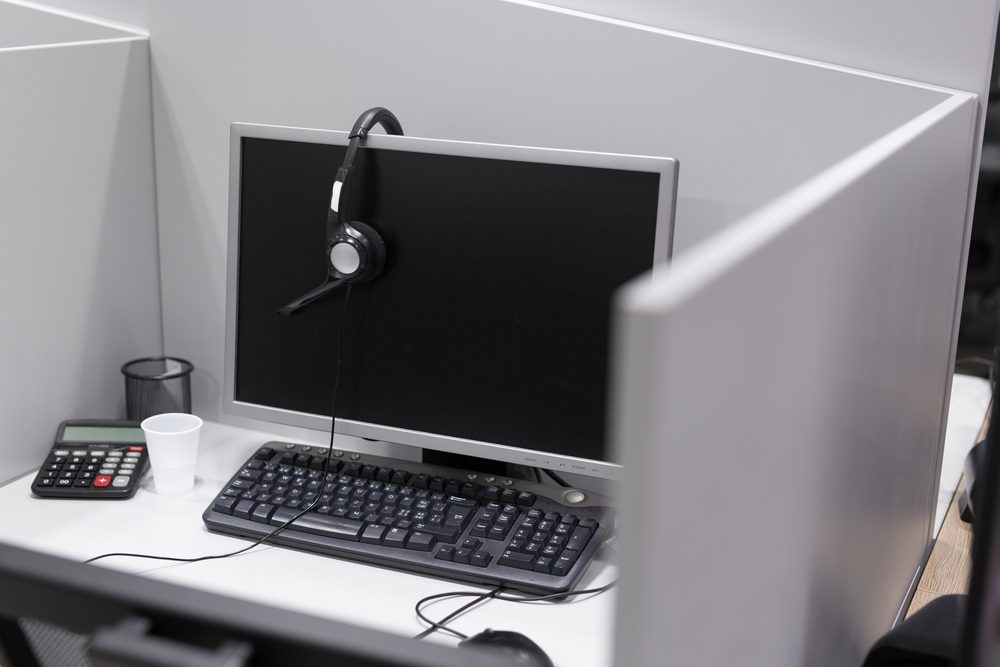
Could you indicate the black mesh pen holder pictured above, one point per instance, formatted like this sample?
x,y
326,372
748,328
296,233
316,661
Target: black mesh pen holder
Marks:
x,y
155,385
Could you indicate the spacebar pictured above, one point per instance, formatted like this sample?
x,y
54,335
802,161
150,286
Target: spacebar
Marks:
x,y
328,526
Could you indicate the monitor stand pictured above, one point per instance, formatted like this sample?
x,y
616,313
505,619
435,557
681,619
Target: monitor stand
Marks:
x,y
463,462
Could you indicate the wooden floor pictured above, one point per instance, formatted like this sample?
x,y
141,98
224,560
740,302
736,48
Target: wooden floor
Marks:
x,y
950,561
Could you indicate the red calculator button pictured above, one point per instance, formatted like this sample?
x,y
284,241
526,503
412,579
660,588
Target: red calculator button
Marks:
x,y
102,480
135,449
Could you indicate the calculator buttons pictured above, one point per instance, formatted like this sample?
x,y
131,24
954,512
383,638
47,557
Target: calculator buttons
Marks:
x,y
94,470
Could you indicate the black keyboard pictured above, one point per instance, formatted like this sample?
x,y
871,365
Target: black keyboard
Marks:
x,y
473,527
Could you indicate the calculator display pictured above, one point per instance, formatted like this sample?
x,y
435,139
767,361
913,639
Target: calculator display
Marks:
x,y
107,434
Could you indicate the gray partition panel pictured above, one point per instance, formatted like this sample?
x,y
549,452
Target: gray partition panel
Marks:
x,y
780,406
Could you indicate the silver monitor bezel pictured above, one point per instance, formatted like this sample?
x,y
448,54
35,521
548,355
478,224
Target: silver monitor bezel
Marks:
x,y
665,167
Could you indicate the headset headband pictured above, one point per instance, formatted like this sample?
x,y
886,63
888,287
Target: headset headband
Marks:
x,y
362,126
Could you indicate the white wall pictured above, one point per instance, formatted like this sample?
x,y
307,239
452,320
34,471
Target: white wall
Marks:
x,y
130,12
22,26
80,288
924,40
746,127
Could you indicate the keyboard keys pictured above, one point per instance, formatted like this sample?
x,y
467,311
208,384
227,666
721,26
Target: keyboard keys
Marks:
x,y
564,563
243,508
262,512
374,533
328,526
459,517
443,533
517,559
420,541
543,564
509,535
578,540
395,537
525,499
283,515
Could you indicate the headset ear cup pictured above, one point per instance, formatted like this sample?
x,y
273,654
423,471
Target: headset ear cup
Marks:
x,y
375,246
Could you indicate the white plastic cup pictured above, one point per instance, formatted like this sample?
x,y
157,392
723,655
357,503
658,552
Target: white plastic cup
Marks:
x,y
172,443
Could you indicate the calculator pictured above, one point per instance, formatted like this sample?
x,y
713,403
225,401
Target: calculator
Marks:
x,y
93,459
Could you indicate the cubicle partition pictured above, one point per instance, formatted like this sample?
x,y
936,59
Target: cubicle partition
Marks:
x,y
784,388
80,288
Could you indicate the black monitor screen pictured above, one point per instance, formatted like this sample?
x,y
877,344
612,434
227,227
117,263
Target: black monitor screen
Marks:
x,y
490,321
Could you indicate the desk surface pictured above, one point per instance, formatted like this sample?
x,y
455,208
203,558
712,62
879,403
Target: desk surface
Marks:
x,y
572,633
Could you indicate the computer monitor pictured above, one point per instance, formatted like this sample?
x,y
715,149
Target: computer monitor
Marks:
x,y
486,334
55,611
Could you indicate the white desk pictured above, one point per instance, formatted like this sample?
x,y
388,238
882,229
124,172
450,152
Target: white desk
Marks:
x,y
970,399
572,633
575,633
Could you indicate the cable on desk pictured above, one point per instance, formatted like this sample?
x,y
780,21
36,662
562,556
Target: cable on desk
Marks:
x,y
440,625
329,452
496,594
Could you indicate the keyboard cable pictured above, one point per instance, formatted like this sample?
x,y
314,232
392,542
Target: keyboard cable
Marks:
x,y
329,452
495,594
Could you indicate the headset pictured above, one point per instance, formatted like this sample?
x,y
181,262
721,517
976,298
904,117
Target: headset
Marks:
x,y
355,251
